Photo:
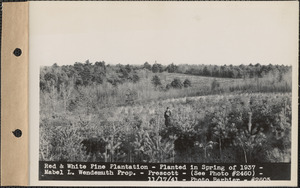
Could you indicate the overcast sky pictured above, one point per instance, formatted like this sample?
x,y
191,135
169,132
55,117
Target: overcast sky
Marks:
x,y
179,32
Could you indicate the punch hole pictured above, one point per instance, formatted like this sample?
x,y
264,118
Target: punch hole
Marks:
x,y
17,133
17,52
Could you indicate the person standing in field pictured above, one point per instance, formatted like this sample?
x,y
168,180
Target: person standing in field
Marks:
x,y
168,117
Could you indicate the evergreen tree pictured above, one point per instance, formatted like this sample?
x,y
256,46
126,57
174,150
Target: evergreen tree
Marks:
x,y
156,81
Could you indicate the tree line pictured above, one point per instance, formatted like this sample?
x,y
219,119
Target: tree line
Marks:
x,y
85,74
223,71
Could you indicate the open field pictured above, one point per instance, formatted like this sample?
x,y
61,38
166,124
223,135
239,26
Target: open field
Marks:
x,y
69,97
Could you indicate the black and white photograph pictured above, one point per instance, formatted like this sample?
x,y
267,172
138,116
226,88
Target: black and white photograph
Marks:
x,y
166,83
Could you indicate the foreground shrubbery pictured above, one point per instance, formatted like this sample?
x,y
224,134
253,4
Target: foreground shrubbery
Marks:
x,y
230,128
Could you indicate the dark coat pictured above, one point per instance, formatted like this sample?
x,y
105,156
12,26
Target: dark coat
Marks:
x,y
167,117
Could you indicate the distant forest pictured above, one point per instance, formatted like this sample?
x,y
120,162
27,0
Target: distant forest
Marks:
x,y
85,74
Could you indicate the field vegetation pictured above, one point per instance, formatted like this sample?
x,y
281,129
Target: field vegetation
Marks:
x,y
115,113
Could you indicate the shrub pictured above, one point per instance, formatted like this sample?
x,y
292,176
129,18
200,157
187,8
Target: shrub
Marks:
x,y
168,86
187,83
176,83
215,85
135,78
156,81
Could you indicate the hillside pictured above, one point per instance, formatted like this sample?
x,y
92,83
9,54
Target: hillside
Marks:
x,y
115,113
106,85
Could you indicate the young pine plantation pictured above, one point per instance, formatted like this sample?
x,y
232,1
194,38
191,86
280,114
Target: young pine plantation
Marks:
x,y
93,112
